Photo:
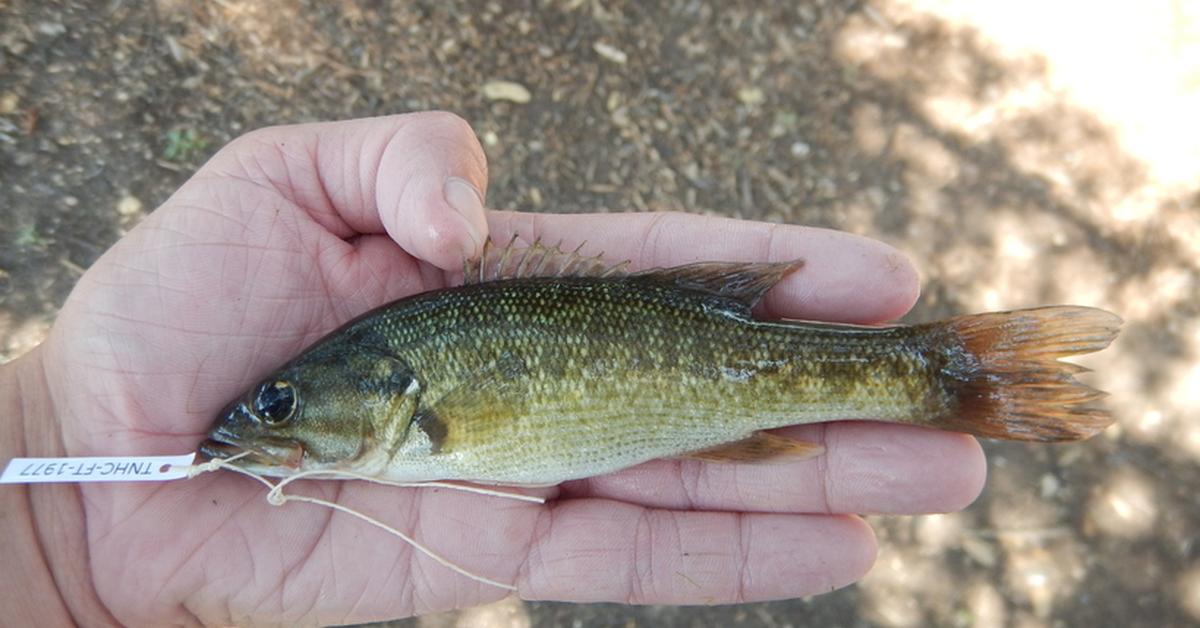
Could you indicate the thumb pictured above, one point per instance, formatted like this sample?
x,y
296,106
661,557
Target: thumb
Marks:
x,y
430,186
419,177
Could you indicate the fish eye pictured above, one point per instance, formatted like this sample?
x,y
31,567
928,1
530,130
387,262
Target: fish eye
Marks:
x,y
275,402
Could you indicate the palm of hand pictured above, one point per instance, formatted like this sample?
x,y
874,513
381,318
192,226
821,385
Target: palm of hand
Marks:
x,y
258,256
225,281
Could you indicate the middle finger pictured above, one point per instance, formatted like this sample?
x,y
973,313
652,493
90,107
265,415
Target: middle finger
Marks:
x,y
867,468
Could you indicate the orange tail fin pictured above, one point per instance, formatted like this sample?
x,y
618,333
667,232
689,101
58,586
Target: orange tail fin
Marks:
x,y
1009,381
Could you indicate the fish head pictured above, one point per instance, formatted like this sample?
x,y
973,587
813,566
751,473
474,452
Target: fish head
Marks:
x,y
323,411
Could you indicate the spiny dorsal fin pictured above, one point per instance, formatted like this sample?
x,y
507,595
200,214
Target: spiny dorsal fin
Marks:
x,y
536,260
745,281
760,447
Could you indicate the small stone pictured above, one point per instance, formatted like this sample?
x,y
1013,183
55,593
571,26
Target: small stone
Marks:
x,y
8,103
51,29
490,138
800,149
70,201
506,90
979,550
178,53
129,205
751,96
826,188
610,52
1050,485
613,101
620,116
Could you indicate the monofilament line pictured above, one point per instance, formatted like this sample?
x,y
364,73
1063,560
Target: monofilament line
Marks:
x,y
276,497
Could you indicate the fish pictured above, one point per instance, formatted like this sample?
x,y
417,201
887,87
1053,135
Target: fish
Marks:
x,y
546,366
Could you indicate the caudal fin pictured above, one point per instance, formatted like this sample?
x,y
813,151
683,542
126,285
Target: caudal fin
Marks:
x,y
1009,382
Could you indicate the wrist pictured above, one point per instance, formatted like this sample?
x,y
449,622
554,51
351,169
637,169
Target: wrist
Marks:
x,y
46,576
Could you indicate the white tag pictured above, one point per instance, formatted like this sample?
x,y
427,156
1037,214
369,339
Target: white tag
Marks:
x,y
97,469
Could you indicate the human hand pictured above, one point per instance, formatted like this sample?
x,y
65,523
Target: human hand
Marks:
x,y
291,231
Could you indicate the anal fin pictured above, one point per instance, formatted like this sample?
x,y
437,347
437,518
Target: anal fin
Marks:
x,y
760,447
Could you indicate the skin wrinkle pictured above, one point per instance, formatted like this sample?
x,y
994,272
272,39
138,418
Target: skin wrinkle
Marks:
x,y
735,481
112,526
538,224
215,534
191,405
241,305
252,569
202,245
163,326
417,500
301,565
129,268
363,275
651,234
250,164
542,526
258,346
278,583
188,209
742,533
689,473
641,552
138,408
768,305
353,609
286,189
25,445
190,617
327,271
378,280
662,580
394,209
823,472
319,181
376,171
364,172
130,284
423,591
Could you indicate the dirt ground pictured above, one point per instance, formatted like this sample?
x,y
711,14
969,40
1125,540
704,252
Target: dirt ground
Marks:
x,y
1021,155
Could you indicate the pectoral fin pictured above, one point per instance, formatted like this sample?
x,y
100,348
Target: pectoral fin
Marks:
x,y
476,412
760,447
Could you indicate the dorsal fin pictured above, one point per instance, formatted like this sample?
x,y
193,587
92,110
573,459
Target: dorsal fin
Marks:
x,y
536,260
745,281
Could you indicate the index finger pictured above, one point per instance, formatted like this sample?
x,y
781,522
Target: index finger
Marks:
x,y
845,277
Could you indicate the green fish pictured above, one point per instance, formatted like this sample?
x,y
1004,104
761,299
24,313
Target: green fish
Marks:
x,y
547,366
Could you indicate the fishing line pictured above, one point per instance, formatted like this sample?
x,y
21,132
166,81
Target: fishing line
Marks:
x,y
276,497
466,488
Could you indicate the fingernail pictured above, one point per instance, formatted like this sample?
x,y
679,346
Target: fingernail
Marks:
x,y
468,202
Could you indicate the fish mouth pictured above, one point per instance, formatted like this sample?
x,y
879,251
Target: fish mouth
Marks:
x,y
219,446
213,449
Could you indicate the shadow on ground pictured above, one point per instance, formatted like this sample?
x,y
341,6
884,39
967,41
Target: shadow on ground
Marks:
x,y
907,129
